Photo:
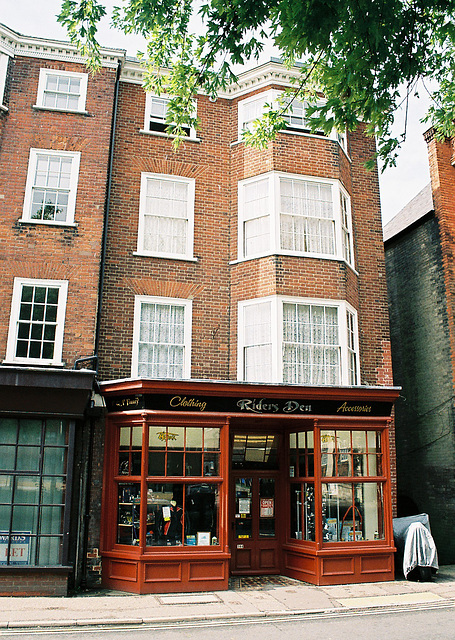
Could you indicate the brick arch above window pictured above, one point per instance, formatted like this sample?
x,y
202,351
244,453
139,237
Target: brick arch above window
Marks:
x,y
151,287
169,167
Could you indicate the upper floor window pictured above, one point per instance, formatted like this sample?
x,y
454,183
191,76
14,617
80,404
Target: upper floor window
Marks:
x,y
295,115
50,192
161,338
166,216
64,90
283,213
37,321
297,341
156,108
3,71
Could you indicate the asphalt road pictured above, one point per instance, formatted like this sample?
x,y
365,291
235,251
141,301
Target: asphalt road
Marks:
x,y
395,623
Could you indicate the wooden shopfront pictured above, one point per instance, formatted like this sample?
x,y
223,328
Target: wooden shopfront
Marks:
x,y
203,480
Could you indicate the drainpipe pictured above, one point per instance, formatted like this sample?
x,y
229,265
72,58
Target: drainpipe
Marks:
x,y
86,499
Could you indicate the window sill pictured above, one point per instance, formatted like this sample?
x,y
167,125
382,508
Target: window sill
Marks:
x,y
312,256
164,257
46,223
25,362
304,135
38,107
158,134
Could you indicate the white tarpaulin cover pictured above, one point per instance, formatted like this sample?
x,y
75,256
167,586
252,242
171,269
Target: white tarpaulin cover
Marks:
x,y
419,549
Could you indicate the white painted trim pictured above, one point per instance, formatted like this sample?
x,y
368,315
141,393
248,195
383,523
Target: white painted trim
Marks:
x,y
62,285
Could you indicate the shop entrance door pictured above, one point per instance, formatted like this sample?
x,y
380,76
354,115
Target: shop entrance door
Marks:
x,y
255,544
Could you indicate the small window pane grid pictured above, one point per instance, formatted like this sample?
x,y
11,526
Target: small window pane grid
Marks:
x,y
37,323
301,467
184,512
34,456
352,510
311,344
166,216
51,188
161,349
62,92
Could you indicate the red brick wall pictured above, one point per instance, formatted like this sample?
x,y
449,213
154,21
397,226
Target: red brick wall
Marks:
x,y
33,583
46,251
217,163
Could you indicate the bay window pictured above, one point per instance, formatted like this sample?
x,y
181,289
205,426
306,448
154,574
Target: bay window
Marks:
x,y
294,215
298,341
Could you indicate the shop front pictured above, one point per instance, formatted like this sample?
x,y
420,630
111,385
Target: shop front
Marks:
x,y
203,480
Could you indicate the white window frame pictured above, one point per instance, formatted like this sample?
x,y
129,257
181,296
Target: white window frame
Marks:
x,y
181,302
276,304
271,97
19,283
274,247
161,121
190,182
75,157
46,73
4,59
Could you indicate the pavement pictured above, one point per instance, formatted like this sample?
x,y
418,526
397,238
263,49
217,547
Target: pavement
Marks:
x,y
269,598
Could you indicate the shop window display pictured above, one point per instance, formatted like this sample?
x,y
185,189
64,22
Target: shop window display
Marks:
x,y
352,510
182,491
301,467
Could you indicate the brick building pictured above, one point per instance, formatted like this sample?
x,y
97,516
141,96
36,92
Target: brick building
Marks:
x,y
419,251
55,131
241,335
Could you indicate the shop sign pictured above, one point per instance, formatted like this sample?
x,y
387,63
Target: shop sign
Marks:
x,y
19,550
267,507
249,406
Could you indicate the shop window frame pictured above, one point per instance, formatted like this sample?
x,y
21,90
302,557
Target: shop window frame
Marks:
x,y
144,479
41,474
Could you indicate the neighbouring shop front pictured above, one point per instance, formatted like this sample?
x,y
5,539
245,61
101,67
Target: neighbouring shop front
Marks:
x,y
203,480
39,412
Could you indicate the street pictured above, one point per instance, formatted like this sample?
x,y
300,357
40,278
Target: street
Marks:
x,y
395,623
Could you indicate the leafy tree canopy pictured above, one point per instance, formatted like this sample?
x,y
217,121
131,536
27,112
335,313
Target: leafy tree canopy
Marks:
x,y
358,53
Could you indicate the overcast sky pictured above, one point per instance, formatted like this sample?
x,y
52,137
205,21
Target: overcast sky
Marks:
x,y
398,184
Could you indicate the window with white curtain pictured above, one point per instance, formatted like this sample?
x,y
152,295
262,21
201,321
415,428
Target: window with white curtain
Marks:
x,y
294,215
161,338
298,341
166,216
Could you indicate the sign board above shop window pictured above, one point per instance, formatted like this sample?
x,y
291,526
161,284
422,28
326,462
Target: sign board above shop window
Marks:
x,y
249,405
